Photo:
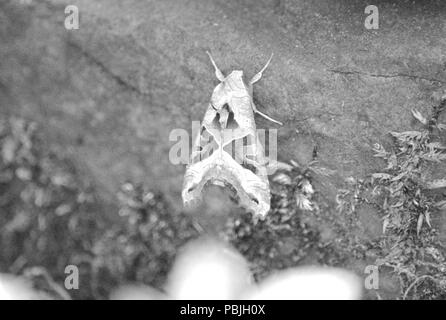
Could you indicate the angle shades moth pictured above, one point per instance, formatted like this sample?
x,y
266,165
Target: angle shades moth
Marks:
x,y
227,150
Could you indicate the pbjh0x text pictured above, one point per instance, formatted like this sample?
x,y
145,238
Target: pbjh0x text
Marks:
x,y
241,309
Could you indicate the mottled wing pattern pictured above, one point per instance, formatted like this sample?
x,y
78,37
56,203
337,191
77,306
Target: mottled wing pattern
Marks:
x,y
227,151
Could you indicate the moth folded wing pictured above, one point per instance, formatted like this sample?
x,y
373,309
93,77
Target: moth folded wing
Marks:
x,y
207,139
246,156
211,124
195,179
252,154
243,113
204,146
220,168
243,107
252,190
251,157
202,159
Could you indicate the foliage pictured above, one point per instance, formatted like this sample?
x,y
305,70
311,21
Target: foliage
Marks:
x,y
51,218
408,196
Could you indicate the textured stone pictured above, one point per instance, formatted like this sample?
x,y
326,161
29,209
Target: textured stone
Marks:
x,y
110,92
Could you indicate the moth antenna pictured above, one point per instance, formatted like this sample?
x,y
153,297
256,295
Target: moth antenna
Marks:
x,y
258,76
218,73
268,118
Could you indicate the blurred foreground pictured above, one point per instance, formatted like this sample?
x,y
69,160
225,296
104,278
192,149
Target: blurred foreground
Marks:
x,y
208,270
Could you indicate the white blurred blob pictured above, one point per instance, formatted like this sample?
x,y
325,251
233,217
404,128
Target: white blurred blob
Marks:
x,y
208,270
308,283
12,288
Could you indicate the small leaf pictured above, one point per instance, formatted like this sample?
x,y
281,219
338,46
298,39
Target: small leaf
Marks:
x,y
420,223
282,178
303,202
419,116
294,163
436,145
428,219
441,205
385,224
398,177
381,176
323,171
398,204
306,187
407,135
392,162
283,166
436,184
380,152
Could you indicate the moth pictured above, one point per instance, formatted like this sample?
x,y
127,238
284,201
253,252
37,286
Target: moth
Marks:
x,y
226,150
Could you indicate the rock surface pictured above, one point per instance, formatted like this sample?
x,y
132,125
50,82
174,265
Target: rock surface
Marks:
x,y
111,92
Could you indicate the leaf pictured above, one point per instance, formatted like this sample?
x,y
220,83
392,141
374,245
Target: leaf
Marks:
x,y
303,202
428,219
398,204
407,135
399,177
306,187
381,176
436,184
380,152
385,224
436,145
392,162
294,163
282,178
283,166
441,205
420,223
419,116
323,171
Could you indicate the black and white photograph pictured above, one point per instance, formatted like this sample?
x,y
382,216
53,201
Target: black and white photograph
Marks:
x,y
234,151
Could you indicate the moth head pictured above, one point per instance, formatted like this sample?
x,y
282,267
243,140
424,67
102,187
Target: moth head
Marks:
x,y
234,81
230,85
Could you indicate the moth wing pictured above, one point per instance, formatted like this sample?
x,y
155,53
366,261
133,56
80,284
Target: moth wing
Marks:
x,y
243,113
251,187
195,178
208,139
244,116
